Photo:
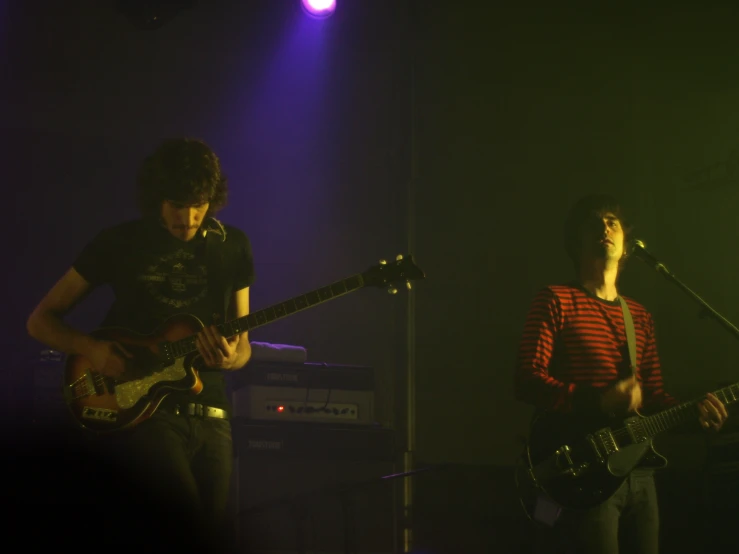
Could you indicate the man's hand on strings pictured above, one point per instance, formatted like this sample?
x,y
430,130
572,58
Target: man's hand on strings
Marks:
x,y
625,397
215,349
712,412
108,357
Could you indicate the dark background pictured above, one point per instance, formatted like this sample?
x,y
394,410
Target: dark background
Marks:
x,y
458,132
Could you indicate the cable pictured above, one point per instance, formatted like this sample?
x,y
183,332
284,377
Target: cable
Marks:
x,y
311,410
520,496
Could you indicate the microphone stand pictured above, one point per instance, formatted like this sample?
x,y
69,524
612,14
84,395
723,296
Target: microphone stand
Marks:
x,y
706,309
714,458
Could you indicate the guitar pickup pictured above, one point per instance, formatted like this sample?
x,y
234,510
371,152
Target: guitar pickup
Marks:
x,y
165,353
596,450
636,430
603,444
84,386
606,440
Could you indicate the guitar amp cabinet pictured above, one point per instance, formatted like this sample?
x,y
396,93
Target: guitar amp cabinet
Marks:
x,y
298,484
308,392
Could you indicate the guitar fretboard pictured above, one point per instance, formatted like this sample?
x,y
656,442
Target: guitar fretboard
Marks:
x,y
686,412
272,313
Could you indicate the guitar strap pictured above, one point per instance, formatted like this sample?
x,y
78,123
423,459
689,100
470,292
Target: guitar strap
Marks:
x,y
218,283
630,333
650,459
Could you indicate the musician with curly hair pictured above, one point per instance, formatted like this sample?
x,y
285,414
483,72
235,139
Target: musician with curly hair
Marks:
x,y
175,259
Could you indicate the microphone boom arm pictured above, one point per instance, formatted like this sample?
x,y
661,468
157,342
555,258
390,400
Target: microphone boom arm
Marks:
x,y
641,253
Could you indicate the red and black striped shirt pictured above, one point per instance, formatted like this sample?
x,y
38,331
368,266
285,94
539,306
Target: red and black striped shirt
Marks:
x,y
574,344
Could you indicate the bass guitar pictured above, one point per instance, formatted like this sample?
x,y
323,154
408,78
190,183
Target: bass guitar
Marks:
x,y
578,465
163,361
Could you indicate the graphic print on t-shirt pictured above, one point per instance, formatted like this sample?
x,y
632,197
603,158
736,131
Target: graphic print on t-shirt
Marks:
x,y
177,280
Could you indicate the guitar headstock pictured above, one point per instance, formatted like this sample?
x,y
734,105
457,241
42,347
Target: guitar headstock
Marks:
x,y
389,274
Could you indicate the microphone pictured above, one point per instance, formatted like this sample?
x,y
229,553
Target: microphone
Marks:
x,y
639,249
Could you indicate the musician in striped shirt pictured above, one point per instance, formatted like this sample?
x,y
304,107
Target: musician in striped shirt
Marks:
x,y
573,359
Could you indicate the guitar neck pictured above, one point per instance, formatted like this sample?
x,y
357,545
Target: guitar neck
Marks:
x,y
272,313
686,412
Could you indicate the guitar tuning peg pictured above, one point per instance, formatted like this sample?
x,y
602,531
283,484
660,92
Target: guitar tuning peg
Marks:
x,y
392,290
408,285
383,262
399,257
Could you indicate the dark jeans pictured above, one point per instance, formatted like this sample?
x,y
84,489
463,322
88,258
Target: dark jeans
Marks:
x,y
628,522
184,464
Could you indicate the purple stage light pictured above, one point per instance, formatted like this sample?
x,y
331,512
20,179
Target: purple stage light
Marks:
x,y
319,8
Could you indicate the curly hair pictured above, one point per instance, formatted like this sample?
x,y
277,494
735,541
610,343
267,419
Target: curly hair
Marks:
x,y
183,170
589,206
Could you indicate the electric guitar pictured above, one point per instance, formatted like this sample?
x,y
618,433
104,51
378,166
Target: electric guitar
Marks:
x,y
579,466
163,361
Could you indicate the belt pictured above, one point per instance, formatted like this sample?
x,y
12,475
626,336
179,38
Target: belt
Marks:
x,y
201,411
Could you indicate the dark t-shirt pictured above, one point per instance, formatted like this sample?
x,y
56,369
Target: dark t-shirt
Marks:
x,y
155,276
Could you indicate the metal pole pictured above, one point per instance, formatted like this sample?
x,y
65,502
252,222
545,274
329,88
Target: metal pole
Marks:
x,y
410,446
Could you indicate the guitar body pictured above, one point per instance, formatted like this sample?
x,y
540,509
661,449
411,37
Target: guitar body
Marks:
x,y
165,361
101,405
579,467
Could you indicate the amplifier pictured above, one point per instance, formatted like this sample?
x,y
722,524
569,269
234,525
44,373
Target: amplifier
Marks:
x,y
304,375
308,392
303,441
323,487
